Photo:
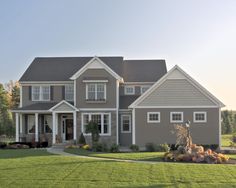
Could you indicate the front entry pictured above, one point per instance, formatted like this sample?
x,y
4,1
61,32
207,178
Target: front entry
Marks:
x,y
67,129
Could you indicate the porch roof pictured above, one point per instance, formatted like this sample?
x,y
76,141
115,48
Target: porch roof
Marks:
x,y
36,107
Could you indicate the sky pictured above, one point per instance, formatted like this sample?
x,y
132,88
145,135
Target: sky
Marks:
x,y
197,35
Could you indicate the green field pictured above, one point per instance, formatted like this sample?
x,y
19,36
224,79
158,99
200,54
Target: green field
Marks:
x,y
60,171
139,156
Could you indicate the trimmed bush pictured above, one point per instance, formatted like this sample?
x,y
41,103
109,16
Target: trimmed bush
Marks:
x,y
82,140
150,147
163,148
114,148
99,147
134,148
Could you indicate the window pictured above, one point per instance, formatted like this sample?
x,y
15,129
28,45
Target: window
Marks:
x,y
102,119
48,124
40,93
69,92
200,117
176,117
31,124
129,90
153,117
144,89
96,92
125,123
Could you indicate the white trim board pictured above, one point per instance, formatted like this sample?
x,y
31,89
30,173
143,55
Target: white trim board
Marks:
x,y
176,107
217,102
96,63
97,109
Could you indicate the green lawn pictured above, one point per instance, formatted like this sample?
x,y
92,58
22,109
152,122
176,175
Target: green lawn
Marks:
x,y
60,171
139,156
225,140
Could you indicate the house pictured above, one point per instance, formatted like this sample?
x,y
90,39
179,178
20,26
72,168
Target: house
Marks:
x,y
132,101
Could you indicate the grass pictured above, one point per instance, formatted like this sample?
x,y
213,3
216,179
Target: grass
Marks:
x,y
139,156
61,171
225,140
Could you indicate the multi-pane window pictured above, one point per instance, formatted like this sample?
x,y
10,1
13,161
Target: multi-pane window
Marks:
x,y
69,92
31,124
40,93
102,119
96,92
125,123
144,89
199,117
176,117
129,90
153,117
48,124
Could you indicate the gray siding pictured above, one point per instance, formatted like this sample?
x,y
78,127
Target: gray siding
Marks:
x,y
202,133
176,92
57,95
110,88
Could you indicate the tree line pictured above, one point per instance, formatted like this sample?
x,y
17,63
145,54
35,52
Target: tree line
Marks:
x,y
228,124
9,99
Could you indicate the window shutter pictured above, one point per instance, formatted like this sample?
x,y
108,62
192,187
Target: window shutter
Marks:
x,y
30,92
51,92
63,92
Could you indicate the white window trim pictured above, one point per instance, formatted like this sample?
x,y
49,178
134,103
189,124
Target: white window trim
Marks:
x,y
174,121
122,130
40,92
105,91
153,121
199,121
72,85
141,88
102,116
129,87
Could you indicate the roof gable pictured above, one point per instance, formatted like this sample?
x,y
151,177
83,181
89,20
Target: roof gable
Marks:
x,y
176,73
63,106
95,63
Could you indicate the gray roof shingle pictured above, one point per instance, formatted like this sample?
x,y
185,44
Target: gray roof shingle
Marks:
x,y
62,68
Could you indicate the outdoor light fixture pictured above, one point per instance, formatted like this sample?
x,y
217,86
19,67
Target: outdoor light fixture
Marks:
x,y
187,123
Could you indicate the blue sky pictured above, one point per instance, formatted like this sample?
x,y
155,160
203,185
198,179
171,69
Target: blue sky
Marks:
x,y
198,35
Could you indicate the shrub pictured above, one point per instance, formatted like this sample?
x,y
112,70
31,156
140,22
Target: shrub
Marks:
x,y
82,140
163,148
150,147
114,148
3,144
86,147
134,148
72,146
99,147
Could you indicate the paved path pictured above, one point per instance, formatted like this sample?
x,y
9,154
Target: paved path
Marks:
x,y
60,151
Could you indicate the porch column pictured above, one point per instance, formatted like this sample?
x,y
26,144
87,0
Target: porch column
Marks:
x,y
21,123
74,123
53,128
17,127
36,127
56,121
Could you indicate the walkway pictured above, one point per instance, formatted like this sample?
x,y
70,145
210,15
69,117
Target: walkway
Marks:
x,y
60,151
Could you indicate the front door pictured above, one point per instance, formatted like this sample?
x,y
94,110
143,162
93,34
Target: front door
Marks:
x,y
69,129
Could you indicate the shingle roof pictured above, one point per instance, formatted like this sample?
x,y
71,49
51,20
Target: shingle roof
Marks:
x,y
62,68
127,100
37,106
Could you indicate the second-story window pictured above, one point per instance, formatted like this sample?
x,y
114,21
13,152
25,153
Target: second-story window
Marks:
x,y
96,91
129,90
69,92
40,93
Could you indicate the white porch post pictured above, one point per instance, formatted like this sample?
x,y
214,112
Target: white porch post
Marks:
x,y
21,123
74,123
53,128
17,127
56,121
36,127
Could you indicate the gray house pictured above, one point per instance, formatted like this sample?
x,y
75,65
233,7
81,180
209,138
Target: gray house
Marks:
x,y
133,101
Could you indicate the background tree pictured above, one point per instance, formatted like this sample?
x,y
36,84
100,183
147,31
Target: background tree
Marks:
x,y
228,124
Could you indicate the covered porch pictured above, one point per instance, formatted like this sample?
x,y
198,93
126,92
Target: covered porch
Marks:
x,y
56,124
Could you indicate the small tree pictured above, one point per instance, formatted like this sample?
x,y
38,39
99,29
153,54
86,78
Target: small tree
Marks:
x,y
183,136
92,128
